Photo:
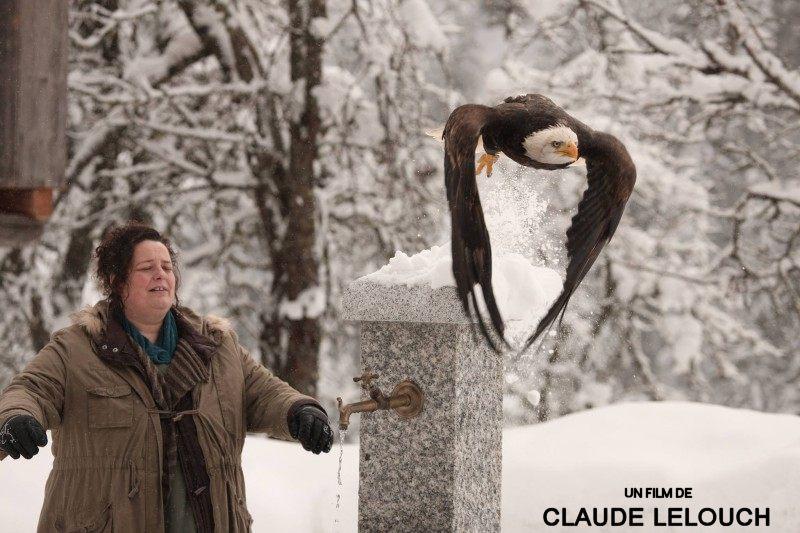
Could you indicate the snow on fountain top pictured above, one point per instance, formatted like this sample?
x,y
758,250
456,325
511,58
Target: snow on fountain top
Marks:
x,y
417,288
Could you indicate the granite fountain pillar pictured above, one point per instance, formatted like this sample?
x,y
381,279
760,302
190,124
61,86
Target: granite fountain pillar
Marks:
x,y
439,471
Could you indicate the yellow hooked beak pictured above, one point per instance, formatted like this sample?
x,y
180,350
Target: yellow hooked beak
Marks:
x,y
571,151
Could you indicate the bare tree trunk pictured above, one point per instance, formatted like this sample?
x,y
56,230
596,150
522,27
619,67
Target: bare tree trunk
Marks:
x,y
290,344
285,176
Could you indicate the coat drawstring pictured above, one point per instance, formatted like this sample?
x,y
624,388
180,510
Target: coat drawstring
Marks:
x,y
133,479
175,416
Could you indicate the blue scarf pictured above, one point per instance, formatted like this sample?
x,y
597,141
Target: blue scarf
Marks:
x,y
161,352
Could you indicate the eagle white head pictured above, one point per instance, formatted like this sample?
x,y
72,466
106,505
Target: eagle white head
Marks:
x,y
556,145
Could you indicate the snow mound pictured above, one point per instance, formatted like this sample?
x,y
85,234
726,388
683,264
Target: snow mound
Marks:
x,y
523,291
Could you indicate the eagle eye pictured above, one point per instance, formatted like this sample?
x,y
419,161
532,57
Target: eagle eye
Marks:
x,y
556,144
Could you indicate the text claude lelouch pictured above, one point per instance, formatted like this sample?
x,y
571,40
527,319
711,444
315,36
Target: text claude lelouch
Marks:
x,y
658,517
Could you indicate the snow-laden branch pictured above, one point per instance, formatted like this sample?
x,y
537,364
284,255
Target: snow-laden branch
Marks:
x,y
170,156
762,163
725,61
131,94
182,50
664,272
776,192
233,88
223,37
121,15
110,21
772,67
147,168
203,134
100,134
679,50
719,75
94,39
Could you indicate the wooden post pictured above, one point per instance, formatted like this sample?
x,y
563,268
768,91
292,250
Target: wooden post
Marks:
x,y
33,106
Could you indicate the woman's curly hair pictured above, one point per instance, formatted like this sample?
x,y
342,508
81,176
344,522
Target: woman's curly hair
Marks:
x,y
115,252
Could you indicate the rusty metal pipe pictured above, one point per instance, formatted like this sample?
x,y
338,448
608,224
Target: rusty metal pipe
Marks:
x,y
367,406
406,400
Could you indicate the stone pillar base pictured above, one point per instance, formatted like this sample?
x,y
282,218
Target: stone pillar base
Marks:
x,y
440,471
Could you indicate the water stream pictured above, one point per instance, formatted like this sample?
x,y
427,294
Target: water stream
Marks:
x,y
338,512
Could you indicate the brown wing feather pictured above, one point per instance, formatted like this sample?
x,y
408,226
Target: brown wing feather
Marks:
x,y
611,175
471,249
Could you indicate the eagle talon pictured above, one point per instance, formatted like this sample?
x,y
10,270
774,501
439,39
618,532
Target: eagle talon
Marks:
x,y
486,161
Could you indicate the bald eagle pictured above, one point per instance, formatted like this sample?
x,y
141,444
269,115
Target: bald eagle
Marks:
x,y
535,132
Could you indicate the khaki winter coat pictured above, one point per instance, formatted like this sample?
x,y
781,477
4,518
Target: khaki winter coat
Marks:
x,y
106,427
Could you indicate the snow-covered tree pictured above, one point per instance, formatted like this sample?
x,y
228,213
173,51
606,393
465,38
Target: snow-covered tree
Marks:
x,y
696,297
278,143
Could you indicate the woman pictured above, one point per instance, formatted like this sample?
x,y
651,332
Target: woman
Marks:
x,y
148,404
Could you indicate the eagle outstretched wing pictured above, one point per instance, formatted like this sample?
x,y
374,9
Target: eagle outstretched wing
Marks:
x,y
471,249
611,175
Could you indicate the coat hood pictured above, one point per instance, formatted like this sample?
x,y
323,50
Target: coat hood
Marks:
x,y
94,319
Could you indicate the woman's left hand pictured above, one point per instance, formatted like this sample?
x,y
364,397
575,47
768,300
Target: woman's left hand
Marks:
x,y
310,426
22,435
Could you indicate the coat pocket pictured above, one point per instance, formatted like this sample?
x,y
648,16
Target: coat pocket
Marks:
x,y
110,407
97,523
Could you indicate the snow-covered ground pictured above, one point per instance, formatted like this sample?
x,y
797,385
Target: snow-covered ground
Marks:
x,y
728,457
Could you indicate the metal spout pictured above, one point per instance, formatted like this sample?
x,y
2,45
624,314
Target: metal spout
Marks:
x,y
406,399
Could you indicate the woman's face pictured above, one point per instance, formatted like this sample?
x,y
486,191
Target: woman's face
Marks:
x,y
150,290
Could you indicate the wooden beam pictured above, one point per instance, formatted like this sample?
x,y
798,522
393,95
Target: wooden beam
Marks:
x,y
33,94
33,203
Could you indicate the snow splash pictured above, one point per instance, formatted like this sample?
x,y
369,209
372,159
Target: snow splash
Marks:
x,y
520,229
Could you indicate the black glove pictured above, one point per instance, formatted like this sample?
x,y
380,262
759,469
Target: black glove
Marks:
x,y
22,435
309,425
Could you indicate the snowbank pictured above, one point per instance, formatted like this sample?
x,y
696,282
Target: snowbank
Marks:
x,y
729,457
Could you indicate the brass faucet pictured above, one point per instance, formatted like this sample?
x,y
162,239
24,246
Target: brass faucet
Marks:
x,y
406,399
